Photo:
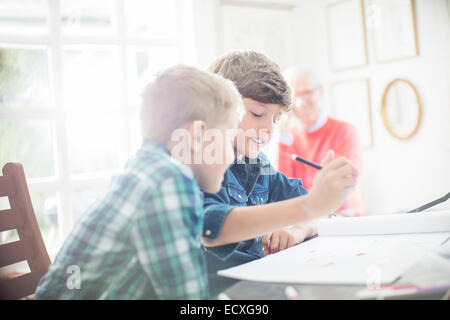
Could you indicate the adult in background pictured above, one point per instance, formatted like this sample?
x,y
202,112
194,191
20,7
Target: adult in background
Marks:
x,y
312,133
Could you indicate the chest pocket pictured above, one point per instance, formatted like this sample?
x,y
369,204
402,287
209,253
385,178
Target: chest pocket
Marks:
x,y
237,195
257,198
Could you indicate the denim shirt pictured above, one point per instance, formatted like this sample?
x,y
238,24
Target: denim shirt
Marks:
x,y
246,183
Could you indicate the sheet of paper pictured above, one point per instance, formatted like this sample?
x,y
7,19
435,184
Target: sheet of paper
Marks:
x,y
366,260
437,221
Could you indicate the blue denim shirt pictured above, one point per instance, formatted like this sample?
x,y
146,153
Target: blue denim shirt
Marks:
x,y
246,183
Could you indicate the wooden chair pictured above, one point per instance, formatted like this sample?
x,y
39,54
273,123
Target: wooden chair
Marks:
x,y
30,246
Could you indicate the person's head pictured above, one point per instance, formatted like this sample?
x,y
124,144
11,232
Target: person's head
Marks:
x,y
264,91
307,95
191,112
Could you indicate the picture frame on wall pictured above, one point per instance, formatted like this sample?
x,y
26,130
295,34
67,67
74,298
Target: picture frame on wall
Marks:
x,y
346,30
392,28
350,102
266,28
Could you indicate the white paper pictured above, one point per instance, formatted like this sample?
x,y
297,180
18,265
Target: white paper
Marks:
x,y
356,259
341,260
433,221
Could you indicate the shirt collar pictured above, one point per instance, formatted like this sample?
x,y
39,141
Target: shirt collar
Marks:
x,y
319,122
151,146
261,160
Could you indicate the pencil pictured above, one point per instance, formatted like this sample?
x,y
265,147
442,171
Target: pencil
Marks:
x,y
296,157
431,204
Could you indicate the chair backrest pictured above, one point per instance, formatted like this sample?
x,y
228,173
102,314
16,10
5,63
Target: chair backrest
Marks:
x,y
30,246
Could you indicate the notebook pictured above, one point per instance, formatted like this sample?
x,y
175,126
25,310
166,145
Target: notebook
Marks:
x,y
369,250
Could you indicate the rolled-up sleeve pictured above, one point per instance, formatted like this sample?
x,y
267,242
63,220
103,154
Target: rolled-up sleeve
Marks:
x,y
216,209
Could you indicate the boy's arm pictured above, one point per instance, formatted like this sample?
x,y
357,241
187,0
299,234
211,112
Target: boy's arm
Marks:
x,y
217,207
330,188
244,223
167,240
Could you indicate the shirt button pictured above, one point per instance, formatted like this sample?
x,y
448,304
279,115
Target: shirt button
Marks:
x,y
207,232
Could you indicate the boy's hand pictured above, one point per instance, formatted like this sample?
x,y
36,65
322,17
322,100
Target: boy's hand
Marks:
x,y
328,158
284,238
331,185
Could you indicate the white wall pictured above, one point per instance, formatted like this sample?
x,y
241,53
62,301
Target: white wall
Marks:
x,y
397,175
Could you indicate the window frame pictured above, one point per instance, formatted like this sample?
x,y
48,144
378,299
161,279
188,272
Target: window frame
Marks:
x,y
63,182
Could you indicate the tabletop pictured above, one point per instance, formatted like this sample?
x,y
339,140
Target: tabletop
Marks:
x,y
432,270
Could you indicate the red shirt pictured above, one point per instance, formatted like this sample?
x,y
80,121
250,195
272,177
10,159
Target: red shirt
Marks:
x,y
337,135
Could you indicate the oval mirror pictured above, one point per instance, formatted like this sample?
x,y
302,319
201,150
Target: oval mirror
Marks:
x,y
401,109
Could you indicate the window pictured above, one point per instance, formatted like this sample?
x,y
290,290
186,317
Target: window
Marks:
x,y
70,73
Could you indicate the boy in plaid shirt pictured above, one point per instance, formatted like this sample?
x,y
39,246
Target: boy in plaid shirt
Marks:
x,y
142,239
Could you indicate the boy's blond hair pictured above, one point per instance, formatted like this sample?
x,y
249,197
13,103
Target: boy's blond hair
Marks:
x,y
182,94
255,76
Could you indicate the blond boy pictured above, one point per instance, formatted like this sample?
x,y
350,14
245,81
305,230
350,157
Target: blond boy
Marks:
x,y
142,239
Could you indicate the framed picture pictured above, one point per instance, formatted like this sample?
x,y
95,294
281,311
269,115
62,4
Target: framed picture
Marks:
x,y
392,27
346,34
350,102
266,28
448,8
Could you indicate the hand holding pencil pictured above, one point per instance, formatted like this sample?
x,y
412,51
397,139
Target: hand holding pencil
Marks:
x,y
332,183
326,160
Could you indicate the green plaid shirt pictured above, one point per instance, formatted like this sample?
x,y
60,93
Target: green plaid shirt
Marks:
x,y
140,241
